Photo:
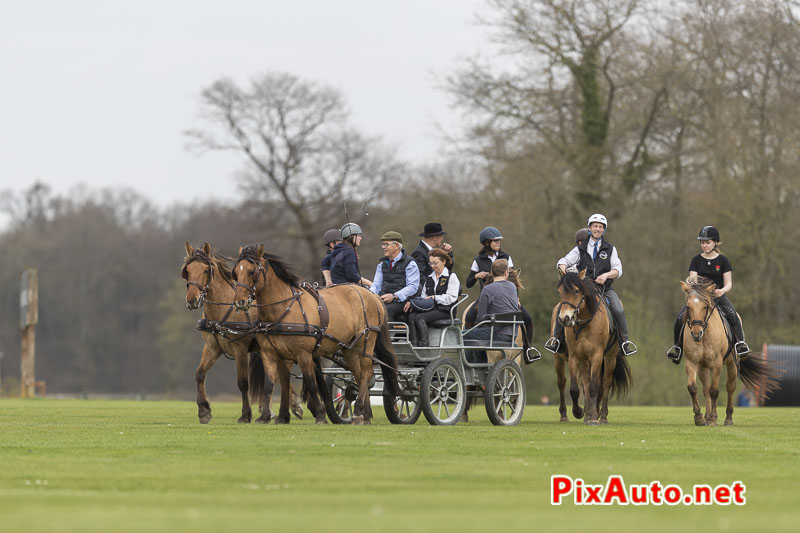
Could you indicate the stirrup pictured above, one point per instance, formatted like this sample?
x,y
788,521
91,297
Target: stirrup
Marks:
x,y
741,348
552,345
628,348
675,354
532,355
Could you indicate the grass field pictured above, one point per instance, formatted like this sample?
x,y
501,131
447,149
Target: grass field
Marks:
x,y
73,465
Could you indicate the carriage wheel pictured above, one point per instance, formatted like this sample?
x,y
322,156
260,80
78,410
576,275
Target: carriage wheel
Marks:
x,y
340,397
406,407
505,393
443,394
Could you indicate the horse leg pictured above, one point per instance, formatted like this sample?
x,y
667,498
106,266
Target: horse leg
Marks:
x,y
315,406
711,418
561,380
367,372
574,388
207,360
610,363
296,400
242,367
283,378
730,386
592,376
269,361
691,377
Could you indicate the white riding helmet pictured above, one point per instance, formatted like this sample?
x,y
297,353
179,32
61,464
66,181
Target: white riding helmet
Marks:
x,y
597,217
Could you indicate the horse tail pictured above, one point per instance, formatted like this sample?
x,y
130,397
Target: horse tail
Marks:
x,y
384,351
257,378
758,374
621,383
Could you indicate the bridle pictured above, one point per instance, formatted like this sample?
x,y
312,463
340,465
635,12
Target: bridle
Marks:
x,y
203,289
703,323
251,289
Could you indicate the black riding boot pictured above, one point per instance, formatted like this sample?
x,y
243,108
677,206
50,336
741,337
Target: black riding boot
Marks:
x,y
675,353
557,343
412,332
741,347
422,332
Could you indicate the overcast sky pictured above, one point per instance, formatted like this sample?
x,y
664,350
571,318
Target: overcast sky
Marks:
x,y
100,92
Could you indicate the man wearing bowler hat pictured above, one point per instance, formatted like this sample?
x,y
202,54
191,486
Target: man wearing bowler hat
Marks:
x,y
432,235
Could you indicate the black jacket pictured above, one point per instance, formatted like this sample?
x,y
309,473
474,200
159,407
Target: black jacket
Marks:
x,y
484,265
599,266
420,255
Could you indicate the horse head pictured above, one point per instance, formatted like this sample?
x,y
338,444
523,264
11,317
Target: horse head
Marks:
x,y
249,275
574,295
198,271
699,304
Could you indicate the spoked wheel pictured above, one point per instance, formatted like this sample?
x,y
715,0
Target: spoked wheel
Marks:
x,y
505,393
406,407
339,399
443,394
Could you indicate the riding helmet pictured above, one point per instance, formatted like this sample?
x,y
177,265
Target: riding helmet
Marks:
x,y
709,233
331,235
350,229
597,217
581,235
489,233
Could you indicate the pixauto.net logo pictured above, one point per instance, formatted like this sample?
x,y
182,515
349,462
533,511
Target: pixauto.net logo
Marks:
x,y
615,492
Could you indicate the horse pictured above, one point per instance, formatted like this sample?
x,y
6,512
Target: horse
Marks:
x,y
300,324
595,358
209,284
710,349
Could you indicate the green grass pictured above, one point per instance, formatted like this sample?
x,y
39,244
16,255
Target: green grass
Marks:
x,y
72,465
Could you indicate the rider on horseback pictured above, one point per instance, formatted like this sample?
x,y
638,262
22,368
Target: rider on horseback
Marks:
x,y
716,267
601,261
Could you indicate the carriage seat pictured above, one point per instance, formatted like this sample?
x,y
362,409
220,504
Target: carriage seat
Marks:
x,y
443,323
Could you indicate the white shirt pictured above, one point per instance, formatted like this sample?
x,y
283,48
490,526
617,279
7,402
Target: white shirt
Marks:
x,y
453,286
573,257
493,257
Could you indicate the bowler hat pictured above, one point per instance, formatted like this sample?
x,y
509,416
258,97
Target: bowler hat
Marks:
x,y
392,236
432,229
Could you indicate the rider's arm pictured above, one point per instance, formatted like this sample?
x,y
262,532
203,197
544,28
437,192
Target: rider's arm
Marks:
x,y
327,275
471,279
377,281
727,280
572,258
351,272
616,264
412,282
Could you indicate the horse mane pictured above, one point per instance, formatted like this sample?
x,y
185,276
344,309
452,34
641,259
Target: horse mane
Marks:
x,y
285,271
514,275
220,262
586,286
700,286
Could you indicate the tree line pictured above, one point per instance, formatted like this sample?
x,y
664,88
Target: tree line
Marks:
x,y
664,118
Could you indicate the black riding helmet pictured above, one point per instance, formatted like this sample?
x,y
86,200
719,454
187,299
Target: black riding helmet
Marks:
x,y
709,233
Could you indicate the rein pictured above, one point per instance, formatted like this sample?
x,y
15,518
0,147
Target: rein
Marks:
x,y
704,323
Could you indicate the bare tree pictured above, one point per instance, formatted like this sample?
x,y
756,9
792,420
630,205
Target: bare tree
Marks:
x,y
299,150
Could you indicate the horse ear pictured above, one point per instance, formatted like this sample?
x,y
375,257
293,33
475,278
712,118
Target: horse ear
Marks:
x,y
685,287
710,289
582,273
260,250
189,249
206,248
185,273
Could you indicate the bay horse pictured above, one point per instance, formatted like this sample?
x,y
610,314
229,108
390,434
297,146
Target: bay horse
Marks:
x,y
595,359
710,349
209,284
300,324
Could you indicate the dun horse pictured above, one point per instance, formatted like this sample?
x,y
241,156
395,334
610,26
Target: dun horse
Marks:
x,y
209,284
299,324
709,349
595,360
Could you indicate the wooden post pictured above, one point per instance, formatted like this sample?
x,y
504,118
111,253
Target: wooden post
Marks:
x,y
29,316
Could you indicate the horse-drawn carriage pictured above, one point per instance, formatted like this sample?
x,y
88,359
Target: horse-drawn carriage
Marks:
x,y
439,380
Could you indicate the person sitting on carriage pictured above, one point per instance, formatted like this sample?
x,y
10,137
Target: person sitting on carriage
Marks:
x,y
601,261
397,276
432,236
440,290
344,260
331,238
497,297
716,267
490,238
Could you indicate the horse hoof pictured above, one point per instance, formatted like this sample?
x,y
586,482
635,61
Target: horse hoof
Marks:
x,y
205,419
264,419
699,422
713,423
281,421
577,413
591,422
243,420
297,411
564,419
358,420
603,421
320,421
367,422
728,422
